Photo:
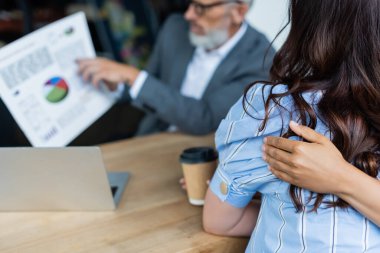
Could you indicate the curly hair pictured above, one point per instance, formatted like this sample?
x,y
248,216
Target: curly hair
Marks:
x,y
333,46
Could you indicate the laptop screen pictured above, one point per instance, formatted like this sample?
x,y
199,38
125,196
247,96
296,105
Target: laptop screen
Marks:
x,y
52,179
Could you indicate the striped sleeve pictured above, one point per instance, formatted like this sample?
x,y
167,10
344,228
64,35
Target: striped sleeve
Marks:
x,y
242,171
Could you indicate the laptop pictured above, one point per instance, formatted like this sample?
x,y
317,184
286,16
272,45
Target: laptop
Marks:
x,y
57,179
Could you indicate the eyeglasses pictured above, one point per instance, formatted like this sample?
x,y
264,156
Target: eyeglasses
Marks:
x,y
200,9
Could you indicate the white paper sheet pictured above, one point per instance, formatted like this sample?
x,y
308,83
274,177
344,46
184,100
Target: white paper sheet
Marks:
x,y
40,85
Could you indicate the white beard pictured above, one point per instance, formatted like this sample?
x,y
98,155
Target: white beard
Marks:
x,y
213,39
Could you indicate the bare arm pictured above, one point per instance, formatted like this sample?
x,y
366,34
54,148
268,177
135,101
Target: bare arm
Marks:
x,y
220,218
320,167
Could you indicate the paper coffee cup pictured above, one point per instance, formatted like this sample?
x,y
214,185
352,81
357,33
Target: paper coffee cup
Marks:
x,y
198,166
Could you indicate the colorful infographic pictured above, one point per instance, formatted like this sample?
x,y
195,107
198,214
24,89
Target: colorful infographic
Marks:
x,y
41,87
56,89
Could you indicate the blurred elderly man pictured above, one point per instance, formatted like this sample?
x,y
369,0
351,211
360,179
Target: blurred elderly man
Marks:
x,y
199,67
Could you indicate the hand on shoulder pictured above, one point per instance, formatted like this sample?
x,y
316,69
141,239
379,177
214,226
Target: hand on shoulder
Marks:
x,y
316,165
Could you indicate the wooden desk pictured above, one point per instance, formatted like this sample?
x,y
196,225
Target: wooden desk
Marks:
x,y
153,216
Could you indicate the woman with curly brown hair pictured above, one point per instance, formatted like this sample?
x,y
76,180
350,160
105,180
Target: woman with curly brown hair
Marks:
x,y
327,77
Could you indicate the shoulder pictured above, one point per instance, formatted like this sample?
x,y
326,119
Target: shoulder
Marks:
x,y
175,22
257,46
256,37
245,118
174,33
254,33
253,101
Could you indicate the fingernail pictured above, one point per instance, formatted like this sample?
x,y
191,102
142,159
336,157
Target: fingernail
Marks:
x,y
265,140
293,123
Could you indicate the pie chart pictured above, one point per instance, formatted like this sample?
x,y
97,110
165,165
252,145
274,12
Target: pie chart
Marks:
x,y
56,89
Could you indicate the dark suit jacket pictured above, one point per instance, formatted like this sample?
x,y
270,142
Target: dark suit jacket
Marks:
x,y
160,95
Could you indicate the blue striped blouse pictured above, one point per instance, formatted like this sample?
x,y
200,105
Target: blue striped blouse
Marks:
x,y
279,227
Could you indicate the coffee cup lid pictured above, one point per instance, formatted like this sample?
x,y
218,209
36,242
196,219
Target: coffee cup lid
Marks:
x,y
198,155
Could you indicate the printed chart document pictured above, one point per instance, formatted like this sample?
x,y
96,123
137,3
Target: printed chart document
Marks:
x,y
40,85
